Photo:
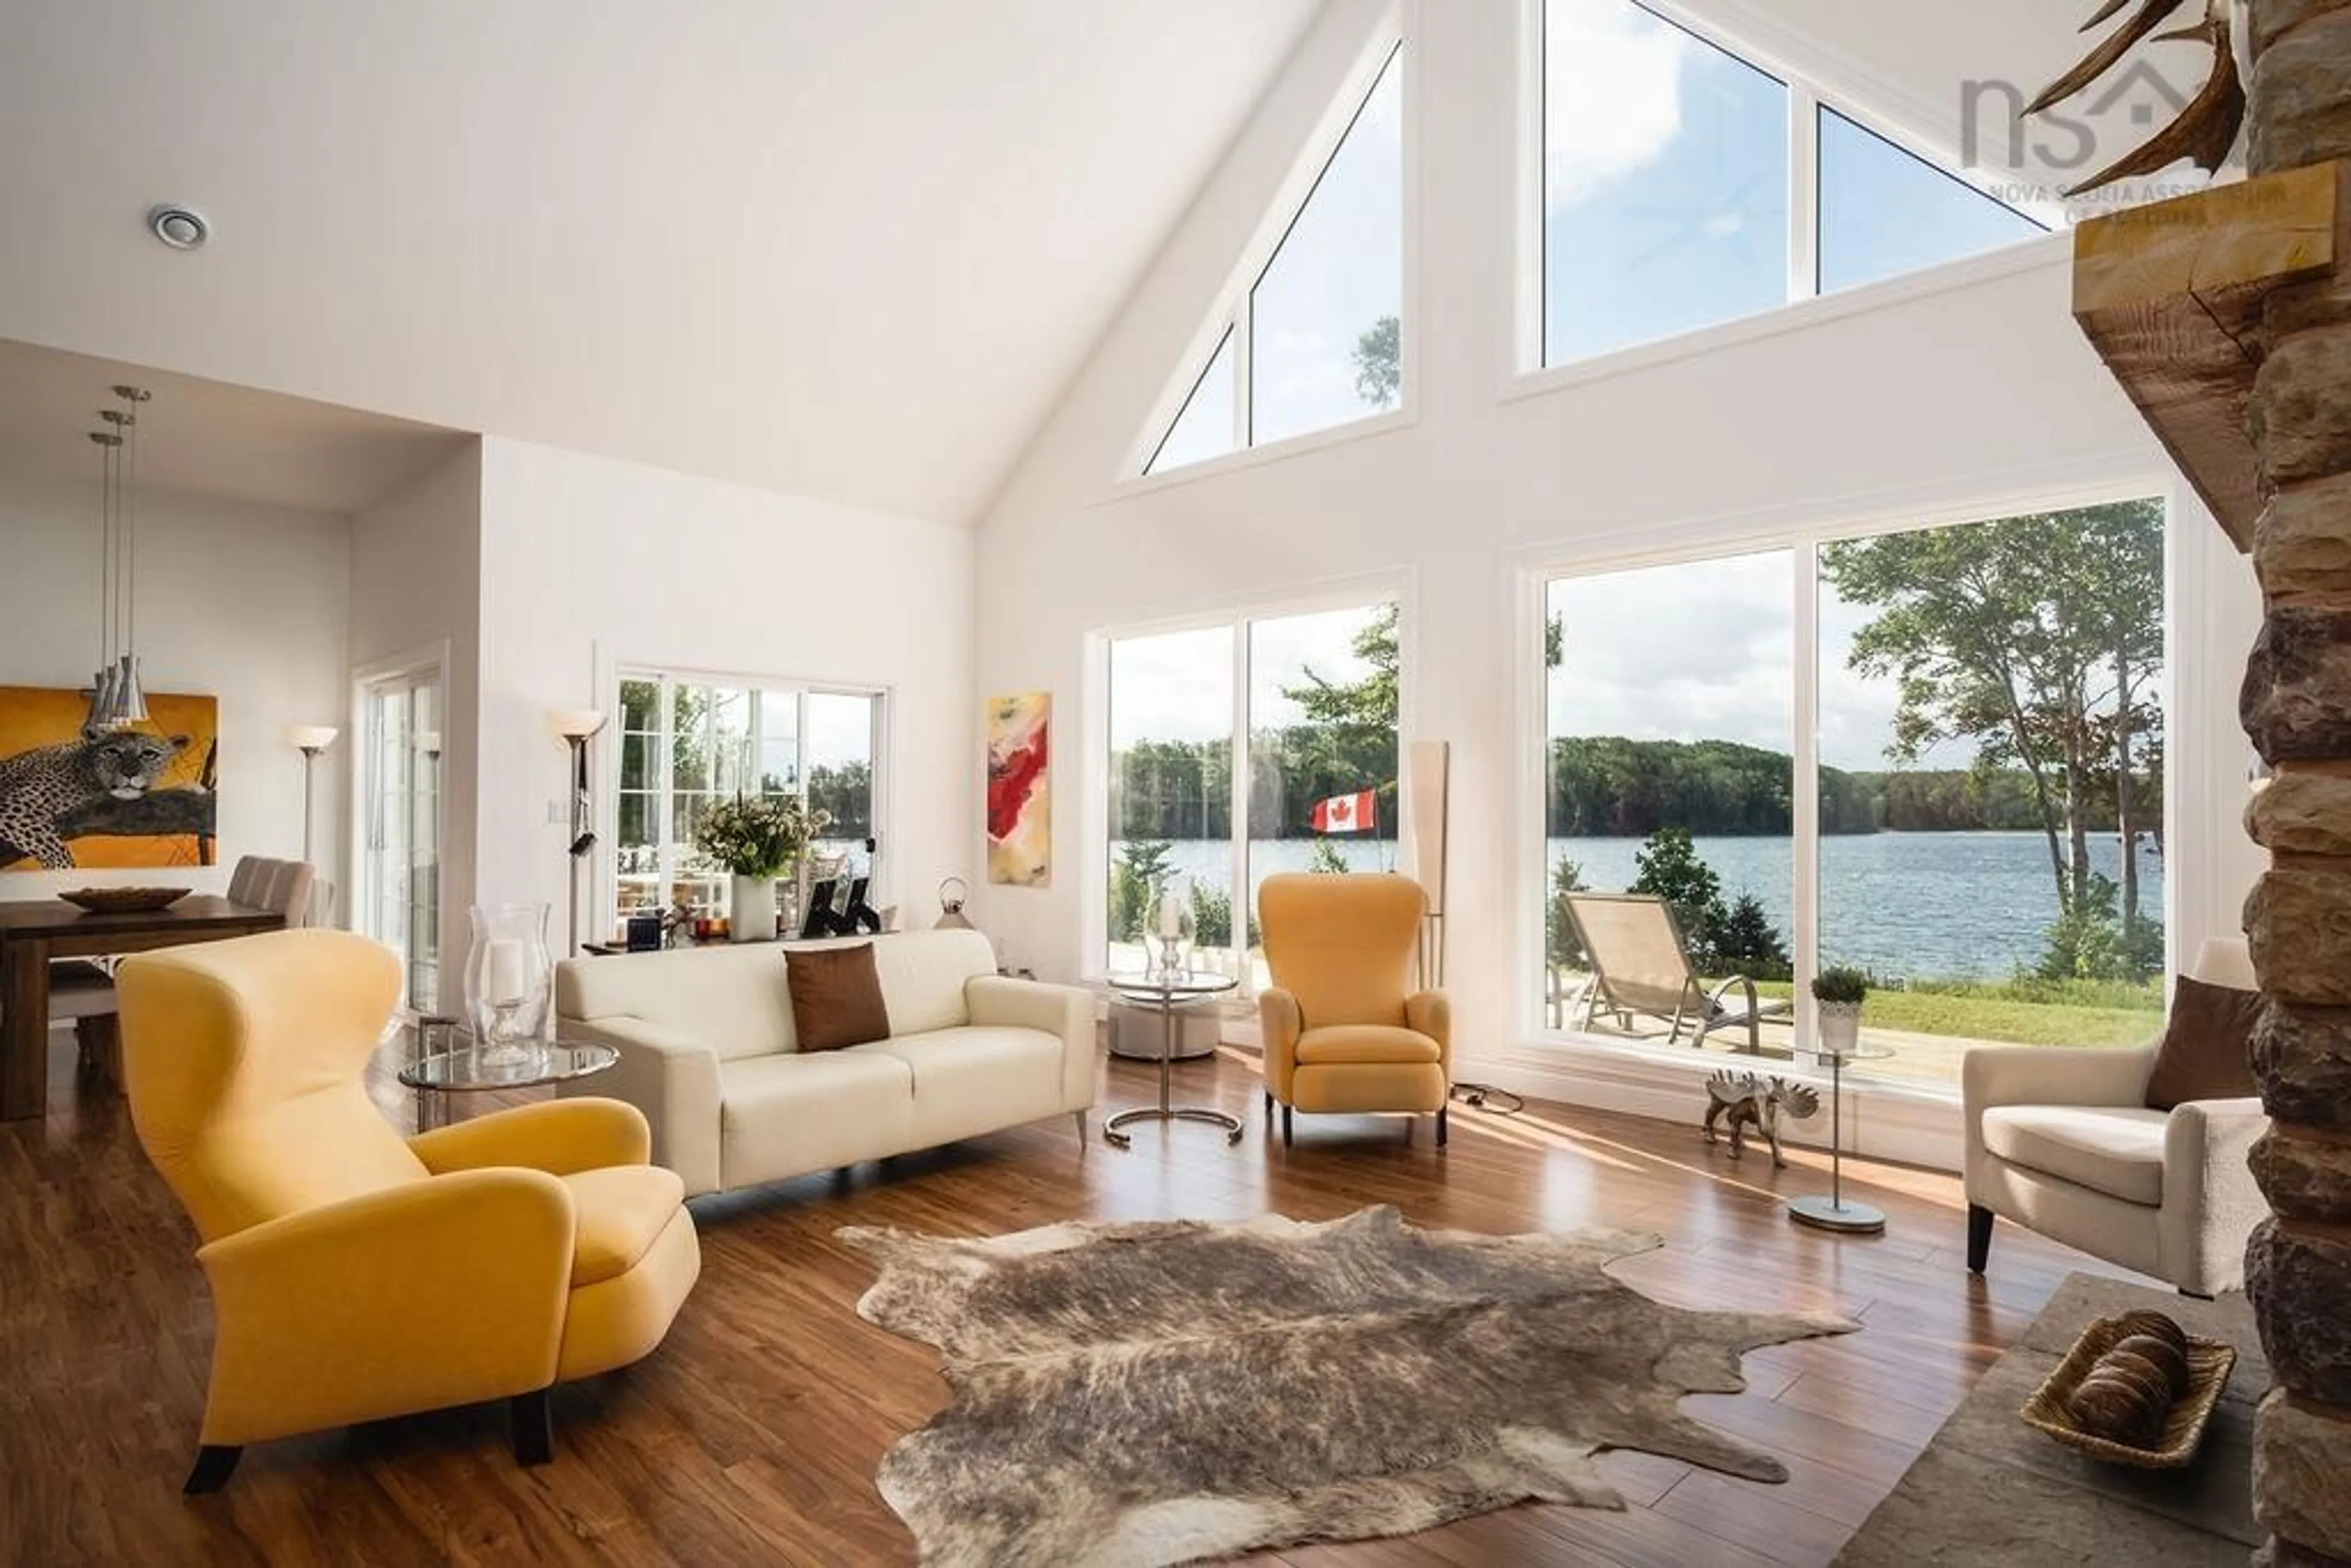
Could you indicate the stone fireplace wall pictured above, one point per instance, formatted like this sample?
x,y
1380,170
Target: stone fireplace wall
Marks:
x,y
2296,708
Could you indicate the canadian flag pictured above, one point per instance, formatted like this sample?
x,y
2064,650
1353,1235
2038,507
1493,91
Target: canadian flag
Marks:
x,y
1353,813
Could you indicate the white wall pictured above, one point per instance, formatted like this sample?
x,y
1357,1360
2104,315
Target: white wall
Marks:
x,y
1963,397
415,589
592,563
242,602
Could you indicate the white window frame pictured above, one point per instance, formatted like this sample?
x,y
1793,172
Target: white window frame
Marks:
x,y
1814,82
881,893
1645,1077
1355,594
1236,302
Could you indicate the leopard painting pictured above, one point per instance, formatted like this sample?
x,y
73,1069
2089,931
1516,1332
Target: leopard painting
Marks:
x,y
40,786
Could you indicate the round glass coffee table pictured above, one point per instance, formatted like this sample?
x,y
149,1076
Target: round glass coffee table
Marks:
x,y
1167,994
1833,1212
463,1070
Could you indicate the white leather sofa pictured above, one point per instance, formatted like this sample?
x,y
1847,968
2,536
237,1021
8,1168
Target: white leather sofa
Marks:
x,y
2061,1141
710,1054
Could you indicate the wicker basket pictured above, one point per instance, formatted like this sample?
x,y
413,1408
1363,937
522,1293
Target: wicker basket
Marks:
x,y
2209,1361
124,900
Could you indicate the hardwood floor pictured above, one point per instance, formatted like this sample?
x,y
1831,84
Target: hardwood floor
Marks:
x,y
753,1433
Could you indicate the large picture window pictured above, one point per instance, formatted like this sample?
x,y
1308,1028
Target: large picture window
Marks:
x,y
1309,702
1675,193
1983,835
685,741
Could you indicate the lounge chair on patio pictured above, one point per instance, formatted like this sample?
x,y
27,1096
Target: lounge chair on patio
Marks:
x,y
1641,965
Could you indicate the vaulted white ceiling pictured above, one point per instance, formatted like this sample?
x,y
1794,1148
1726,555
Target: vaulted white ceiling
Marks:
x,y
854,249
849,248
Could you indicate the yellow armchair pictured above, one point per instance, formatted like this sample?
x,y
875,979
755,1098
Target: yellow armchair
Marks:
x,y
356,1274
1343,1029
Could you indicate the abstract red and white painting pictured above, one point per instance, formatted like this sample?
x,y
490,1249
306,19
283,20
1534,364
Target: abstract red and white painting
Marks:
x,y
1019,789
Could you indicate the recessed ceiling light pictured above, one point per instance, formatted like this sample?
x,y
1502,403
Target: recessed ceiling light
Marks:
x,y
182,228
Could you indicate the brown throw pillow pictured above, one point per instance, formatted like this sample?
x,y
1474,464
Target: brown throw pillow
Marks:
x,y
836,996
2206,1046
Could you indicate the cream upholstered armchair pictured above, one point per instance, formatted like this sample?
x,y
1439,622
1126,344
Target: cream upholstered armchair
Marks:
x,y
2062,1141
1343,1029
357,1274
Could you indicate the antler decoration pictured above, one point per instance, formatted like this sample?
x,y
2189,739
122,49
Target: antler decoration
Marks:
x,y
2206,129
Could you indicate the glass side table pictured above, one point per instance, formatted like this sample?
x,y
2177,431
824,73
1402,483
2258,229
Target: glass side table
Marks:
x,y
1167,994
1833,1212
457,1069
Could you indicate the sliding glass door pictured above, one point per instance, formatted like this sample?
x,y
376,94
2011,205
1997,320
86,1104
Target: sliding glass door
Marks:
x,y
398,900
1171,790
1304,705
1670,774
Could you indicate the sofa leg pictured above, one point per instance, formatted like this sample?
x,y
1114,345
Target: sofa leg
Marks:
x,y
1440,1127
215,1462
1978,1238
1285,1126
1080,1117
533,1418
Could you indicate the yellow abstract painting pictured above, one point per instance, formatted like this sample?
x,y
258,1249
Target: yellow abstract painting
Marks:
x,y
142,797
1020,790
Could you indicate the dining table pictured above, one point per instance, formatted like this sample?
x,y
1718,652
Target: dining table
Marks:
x,y
35,930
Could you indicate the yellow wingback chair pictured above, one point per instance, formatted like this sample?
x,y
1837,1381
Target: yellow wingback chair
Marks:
x,y
357,1274
1343,1029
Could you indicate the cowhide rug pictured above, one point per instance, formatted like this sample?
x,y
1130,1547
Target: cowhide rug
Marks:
x,y
1127,1394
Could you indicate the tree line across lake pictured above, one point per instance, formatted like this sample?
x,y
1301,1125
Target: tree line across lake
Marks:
x,y
1598,787
1608,787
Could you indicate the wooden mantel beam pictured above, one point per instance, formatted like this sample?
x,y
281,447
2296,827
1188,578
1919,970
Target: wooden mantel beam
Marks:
x,y
2170,296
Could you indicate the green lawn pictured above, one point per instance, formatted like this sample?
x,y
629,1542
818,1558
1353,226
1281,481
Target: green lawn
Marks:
x,y
2027,1013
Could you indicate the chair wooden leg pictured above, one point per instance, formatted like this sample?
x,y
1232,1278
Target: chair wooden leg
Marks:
x,y
1440,1126
1269,1105
215,1463
1285,1126
1978,1238
534,1428
98,1040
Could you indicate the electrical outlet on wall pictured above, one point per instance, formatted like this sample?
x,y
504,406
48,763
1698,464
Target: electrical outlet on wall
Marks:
x,y
557,813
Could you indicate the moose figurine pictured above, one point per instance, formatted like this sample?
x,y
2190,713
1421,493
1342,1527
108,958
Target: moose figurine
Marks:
x,y
1751,1100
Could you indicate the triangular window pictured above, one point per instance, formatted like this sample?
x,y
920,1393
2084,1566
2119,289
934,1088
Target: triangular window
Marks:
x,y
1317,338
1885,211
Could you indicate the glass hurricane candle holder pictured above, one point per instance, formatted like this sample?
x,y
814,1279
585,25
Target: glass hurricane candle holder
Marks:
x,y
509,983
1172,930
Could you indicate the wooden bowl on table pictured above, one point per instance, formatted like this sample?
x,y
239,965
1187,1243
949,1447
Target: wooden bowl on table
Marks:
x,y
124,900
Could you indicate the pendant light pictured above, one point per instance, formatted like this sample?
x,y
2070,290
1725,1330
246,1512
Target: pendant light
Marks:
x,y
116,701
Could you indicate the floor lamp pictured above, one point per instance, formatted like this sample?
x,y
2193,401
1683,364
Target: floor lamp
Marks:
x,y
1426,764
309,739
577,726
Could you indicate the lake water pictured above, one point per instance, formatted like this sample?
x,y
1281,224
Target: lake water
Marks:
x,y
1895,903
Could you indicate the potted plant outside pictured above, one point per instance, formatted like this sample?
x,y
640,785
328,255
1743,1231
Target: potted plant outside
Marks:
x,y
757,838
1840,993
